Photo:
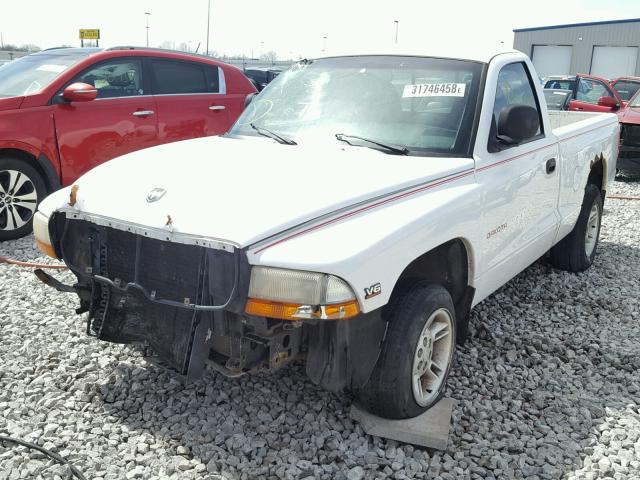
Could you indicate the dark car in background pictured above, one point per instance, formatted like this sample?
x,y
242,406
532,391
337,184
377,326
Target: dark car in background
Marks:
x,y
261,76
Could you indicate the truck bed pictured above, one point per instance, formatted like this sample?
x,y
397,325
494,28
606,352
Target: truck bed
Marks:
x,y
560,119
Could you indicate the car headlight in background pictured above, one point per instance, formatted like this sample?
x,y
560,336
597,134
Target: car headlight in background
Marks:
x,y
41,234
299,295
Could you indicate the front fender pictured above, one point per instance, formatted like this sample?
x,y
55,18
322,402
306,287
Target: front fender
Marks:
x,y
375,246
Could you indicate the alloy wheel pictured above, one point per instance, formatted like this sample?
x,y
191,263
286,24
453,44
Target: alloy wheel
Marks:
x,y
432,357
593,227
18,199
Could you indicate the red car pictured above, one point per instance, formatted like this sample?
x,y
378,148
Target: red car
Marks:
x,y
590,93
64,111
629,153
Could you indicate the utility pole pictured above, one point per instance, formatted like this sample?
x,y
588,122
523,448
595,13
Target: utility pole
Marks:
x,y
324,44
208,21
397,24
147,15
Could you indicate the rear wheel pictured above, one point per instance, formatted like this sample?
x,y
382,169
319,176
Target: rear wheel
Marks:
x,y
576,251
416,356
21,190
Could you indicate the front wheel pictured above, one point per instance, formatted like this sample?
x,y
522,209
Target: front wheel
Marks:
x,y
416,356
576,251
21,189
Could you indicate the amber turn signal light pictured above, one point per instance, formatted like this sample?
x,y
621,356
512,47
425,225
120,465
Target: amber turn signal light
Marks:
x,y
296,312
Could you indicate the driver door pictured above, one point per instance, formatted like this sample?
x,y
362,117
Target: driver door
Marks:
x,y
520,187
120,120
588,93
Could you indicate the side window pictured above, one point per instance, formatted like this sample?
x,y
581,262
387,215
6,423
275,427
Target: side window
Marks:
x,y
626,89
590,91
560,84
172,77
115,78
514,87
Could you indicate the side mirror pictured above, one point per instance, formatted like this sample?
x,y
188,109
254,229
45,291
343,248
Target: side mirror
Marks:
x,y
608,102
517,123
79,92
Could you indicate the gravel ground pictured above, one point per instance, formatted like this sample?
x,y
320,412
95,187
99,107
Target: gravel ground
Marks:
x,y
546,388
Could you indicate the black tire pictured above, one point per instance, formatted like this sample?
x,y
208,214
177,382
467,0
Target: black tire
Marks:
x,y
389,392
16,217
570,253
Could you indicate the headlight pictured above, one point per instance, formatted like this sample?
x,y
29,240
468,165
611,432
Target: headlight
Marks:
x,y
294,295
41,234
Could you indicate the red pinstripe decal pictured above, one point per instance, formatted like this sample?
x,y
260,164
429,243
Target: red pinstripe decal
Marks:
x,y
408,193
367,207
510,159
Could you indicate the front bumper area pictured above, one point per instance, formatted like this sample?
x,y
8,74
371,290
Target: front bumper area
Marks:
x,y
138,289
186,301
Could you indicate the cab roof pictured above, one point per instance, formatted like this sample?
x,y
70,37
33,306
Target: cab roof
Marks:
x,y
481,56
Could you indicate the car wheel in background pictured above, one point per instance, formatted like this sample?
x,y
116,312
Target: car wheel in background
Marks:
x,y
416,356
21,190
576,251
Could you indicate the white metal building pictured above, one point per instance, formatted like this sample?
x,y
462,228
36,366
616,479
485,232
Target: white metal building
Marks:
x,y
609,49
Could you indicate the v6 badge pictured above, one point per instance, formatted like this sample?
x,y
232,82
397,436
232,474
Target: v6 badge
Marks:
x,y
372,291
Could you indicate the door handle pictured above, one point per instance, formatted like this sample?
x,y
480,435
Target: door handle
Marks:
x,y
551,165
217,107
143,113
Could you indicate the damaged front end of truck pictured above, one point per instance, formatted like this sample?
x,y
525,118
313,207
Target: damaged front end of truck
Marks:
x,y
186,298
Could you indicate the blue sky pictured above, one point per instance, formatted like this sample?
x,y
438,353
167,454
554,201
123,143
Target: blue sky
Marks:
x,y
296,28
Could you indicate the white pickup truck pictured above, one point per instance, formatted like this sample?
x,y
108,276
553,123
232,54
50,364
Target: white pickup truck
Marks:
x,y
352,217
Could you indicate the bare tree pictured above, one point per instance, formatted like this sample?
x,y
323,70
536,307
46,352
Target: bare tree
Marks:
x,y
22,48
269,56
29,47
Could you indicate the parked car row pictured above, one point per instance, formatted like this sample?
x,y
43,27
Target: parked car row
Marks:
x,y
65,111
590,93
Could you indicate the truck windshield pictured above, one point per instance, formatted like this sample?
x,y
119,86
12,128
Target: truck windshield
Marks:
x,y
425,105
32,73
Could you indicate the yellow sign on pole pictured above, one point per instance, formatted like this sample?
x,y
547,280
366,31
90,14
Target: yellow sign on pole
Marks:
x,y
90,34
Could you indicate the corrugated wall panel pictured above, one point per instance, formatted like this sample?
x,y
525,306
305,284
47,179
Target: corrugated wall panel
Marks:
x,y
611,35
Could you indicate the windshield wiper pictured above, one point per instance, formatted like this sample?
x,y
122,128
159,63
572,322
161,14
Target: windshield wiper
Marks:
x,y
277,137
399,149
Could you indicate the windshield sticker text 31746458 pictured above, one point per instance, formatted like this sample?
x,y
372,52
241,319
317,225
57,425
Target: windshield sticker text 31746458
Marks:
x,y
434,90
